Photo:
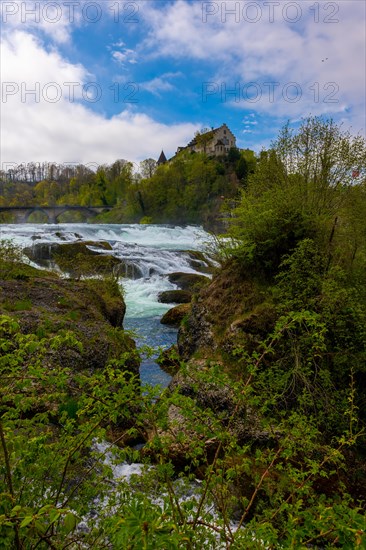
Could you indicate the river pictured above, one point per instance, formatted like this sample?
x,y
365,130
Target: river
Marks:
x,y
150,251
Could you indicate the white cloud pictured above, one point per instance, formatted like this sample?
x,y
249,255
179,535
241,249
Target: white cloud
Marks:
x,y
125,56
161,83
54,19
241,51
66,130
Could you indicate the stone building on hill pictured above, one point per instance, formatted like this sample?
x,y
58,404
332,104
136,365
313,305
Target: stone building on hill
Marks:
x,y
216,142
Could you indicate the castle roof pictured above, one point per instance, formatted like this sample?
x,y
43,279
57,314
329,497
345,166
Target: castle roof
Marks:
x,y
211,132
162,159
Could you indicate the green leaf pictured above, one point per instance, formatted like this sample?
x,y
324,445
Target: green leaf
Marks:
x,y
70,522
26,521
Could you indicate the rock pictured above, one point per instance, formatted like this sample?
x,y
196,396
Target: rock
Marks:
x,y
175,316
232,310
105,245
188,281
91,309
200,262
47,251
197,333
175,297
41,253
128,270
59,235
76,258
169,360
82,258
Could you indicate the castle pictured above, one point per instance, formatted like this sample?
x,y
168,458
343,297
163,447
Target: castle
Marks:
x,y
215,142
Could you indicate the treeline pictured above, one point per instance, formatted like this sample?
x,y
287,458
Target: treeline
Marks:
x,y
189,188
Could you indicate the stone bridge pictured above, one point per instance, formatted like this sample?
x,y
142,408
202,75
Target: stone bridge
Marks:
x,y
22,213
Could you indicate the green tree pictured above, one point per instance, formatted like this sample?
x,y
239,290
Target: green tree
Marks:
x,y
299,189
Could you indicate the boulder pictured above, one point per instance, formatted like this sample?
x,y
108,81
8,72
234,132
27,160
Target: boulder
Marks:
x,y
175,297
43,253
173,317
188,281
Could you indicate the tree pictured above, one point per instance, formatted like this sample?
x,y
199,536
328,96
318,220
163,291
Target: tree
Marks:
x,y
299,190
203,138
148,167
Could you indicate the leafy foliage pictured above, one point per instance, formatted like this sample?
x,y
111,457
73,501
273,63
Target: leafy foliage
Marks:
x,y
263,455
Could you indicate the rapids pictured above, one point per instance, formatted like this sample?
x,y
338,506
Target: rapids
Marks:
x,y
150,253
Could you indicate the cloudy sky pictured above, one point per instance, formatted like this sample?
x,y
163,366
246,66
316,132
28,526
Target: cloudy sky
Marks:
x,y
94,81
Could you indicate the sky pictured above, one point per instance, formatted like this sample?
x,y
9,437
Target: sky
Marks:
x,y
95,81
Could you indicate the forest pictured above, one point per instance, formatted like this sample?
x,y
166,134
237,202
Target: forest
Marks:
x,y
190,188
259,440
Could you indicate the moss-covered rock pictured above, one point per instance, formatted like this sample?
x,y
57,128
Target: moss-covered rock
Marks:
x,y
174,316
232,309
82,259
175,297
93,310
45,252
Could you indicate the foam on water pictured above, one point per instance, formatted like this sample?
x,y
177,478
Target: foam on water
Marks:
x,y
152,250
148,252
157,236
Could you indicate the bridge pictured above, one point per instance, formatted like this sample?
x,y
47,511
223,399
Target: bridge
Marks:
x,y
21,213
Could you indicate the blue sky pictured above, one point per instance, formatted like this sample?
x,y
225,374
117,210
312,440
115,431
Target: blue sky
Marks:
x,y
117,79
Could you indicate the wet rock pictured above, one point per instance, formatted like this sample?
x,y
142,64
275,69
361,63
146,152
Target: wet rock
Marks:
x,y
175,297
128,270
42,252
59,235
188,281
175,316
76,259
200,262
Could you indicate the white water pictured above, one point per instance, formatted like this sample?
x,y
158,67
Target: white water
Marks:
x,y
151,252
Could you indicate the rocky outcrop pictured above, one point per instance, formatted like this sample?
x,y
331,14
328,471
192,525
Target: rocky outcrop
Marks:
x,y
43,253
232,310
200,261
93,310
197,333
174,316
175,297
84,258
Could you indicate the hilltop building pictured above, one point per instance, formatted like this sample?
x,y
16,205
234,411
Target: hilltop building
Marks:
x,y
215,142
162,159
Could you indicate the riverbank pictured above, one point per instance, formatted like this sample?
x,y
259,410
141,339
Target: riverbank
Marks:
x,y
228,420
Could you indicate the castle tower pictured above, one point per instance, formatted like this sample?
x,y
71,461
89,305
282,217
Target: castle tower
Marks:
x,y
162,159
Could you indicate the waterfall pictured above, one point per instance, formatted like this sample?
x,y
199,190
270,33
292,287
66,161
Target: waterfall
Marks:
x,y
148,253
